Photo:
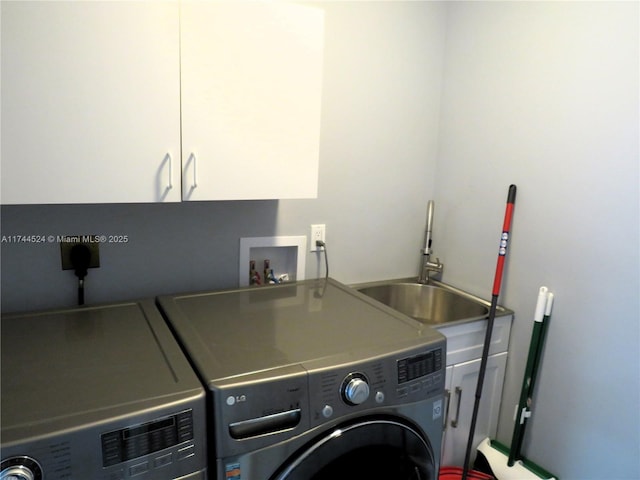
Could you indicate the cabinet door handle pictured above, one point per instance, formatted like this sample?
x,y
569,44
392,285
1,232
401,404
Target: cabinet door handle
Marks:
x,y
447,396
454,422
192,159
170,160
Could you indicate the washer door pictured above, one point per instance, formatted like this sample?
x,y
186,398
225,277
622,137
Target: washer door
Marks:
x,y
369,449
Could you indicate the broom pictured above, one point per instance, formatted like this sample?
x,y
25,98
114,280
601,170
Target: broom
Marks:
x,y
494,457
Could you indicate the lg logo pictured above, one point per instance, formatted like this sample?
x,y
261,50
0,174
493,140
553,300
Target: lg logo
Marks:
x,y
233,399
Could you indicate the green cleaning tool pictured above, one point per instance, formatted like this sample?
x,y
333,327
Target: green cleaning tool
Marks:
x,y
492,456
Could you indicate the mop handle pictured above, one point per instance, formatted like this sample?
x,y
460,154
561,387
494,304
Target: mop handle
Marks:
x,y
504,239
502,252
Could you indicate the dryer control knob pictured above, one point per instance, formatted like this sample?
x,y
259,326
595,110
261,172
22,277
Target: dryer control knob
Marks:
x,y
355,390
20,468
17,473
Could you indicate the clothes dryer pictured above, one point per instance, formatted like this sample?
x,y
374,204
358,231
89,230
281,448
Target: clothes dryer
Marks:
x,y
313,380
99,393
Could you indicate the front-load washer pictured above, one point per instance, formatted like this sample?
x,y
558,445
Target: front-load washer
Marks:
x,y
99,393
312,380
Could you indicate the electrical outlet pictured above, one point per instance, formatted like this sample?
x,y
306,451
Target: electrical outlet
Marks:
x,y
92,242
317,233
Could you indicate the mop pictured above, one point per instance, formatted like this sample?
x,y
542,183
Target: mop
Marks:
x,y
453,473
492,456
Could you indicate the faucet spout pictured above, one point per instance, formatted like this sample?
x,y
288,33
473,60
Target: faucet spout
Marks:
x,y
427,233
426,264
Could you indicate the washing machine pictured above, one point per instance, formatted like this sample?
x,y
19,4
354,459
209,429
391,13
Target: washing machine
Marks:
x,y
313,381
99,393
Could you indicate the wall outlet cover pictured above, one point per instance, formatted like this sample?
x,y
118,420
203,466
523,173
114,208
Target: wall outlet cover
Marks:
x,y
92,242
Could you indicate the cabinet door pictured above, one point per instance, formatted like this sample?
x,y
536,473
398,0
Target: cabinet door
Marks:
x,y
464,379
90,102
446,425
251,87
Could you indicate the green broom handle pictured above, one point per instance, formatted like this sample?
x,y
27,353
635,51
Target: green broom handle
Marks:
x,y
543,334
543,311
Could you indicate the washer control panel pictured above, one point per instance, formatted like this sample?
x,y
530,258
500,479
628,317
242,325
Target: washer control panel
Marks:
x,y
421,372
413,375
128,443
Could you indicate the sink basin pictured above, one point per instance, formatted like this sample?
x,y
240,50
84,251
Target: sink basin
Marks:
x,y
430,304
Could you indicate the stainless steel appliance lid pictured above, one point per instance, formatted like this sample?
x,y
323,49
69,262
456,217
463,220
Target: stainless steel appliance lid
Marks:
x,y
315,323
67,368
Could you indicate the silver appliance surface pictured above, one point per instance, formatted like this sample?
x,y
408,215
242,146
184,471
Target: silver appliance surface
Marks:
x,y
232,333
98,393
305,362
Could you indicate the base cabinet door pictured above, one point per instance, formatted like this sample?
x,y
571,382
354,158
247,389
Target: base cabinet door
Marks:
x,y
461,386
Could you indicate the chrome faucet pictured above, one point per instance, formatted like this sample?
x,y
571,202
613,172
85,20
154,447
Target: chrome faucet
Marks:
x,y
426,264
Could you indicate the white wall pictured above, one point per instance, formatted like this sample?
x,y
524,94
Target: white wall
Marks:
x,y
545,95
381,94
383,82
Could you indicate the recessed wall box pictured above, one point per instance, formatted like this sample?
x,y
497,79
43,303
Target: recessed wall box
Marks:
x,y
287,255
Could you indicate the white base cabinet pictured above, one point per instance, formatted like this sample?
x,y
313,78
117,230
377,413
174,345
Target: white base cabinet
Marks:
x,y
464,350
106,102
460,386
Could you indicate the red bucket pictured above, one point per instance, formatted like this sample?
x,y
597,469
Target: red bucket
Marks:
x,y
455,473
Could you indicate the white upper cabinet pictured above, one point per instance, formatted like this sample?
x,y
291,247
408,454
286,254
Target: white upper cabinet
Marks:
x,y
108,102
90,102
251,92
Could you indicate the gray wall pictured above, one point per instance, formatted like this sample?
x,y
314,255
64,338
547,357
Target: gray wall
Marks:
x,y
452,101
545,95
